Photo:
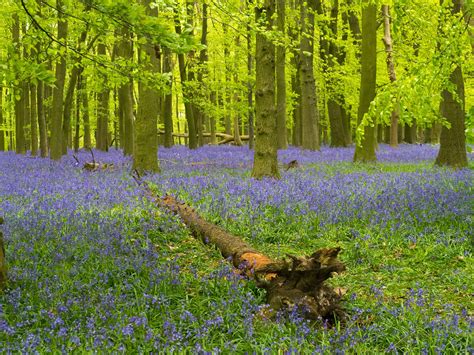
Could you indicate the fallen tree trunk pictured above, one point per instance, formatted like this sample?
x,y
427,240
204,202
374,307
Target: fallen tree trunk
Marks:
x,y
296,282
226,138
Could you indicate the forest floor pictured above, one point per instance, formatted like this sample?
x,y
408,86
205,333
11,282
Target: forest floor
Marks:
x,y
94,266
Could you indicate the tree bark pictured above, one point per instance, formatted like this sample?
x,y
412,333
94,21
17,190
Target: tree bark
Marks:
x,y
58,91
188,109
365,150
295,82
295,283
202,71
77,129
387,40
334,56
103,98
2,122
145,153
33,120
281,79
452,148
168,100
19,94
127,134
265,155
85,114
43,129
236,98
309,110
249,86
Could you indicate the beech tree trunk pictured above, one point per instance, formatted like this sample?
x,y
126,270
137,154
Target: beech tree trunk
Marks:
x,y
2,122
295,82
297,282
58,91
127,133
188,109
387,40
33,120
265,155
167,108
281,79
452,148
365,151
308,107
20,113
43,130
145,153
249,85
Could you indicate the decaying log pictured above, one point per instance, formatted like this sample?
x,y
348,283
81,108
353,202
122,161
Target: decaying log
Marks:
x,y
289,283
3,264
93,165
226,138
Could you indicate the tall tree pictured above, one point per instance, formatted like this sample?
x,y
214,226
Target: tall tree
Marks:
x,y
265,156
249,81
103,98
125,51
188,108
452,149
145,154
167,107
387,39
295,77
20,94
333,59
281,78
58,90
85,112
68,100
365,149
2,123
308,107
202,71
33,120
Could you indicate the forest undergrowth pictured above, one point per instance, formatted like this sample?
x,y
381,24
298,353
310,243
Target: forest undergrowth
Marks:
x,y
94,266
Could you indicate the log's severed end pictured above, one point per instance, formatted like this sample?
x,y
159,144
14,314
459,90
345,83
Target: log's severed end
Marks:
x,y
299,283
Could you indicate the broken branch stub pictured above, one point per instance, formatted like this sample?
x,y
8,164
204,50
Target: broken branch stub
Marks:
x,y
297,281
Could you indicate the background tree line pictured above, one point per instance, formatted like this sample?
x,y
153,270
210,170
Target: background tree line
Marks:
x,y
136,74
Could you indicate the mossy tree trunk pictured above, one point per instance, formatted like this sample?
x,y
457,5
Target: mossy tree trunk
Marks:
x,y
2,122
250,85
145,153
58,90
333,58
365,150
281,79
308,107
265,162
188,108
452,149
387,40
103,98
295,81
33,120
167,108
127,132
20,113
